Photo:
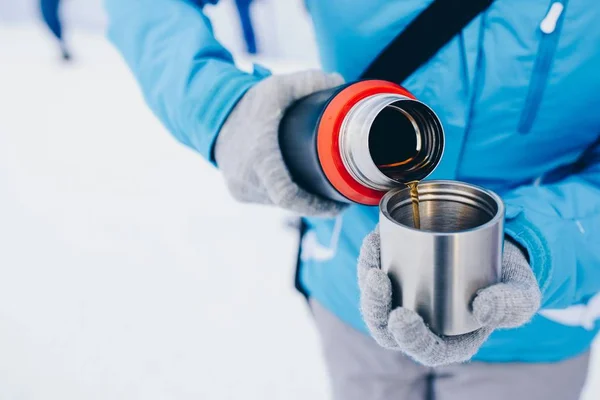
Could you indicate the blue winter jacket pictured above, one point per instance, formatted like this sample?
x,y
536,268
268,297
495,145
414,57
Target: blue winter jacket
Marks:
x,y
518,92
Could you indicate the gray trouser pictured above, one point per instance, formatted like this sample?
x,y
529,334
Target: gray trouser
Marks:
x,y
359,370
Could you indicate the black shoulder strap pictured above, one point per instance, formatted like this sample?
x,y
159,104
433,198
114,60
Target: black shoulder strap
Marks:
x,y
423,38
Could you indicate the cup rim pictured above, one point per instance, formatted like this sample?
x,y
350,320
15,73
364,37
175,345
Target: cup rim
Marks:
x,y
497,218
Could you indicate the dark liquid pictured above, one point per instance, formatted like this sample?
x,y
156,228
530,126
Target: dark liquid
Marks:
x,y
412,186
392,141
394,151
389,168
414,198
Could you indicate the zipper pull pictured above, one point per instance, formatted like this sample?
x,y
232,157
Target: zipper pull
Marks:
x,y
548,24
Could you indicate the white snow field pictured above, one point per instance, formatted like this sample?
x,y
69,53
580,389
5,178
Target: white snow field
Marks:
x,y
126,271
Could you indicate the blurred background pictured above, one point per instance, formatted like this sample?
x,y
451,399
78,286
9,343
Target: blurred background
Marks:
x,y
126,271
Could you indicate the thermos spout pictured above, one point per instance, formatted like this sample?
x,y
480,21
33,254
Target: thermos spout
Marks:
x,y
389,139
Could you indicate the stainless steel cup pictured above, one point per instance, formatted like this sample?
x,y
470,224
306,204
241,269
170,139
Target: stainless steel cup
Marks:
x,y
437,270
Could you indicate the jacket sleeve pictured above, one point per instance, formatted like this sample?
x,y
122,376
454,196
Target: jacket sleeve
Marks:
x,y
559,226
187,78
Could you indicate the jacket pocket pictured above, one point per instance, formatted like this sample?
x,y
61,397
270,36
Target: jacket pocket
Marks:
x,y
550,27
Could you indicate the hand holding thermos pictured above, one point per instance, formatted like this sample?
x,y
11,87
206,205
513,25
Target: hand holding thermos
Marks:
x,y
508,304
247,148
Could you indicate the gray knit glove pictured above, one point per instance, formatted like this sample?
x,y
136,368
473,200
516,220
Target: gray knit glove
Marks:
x,y
508,304
247,148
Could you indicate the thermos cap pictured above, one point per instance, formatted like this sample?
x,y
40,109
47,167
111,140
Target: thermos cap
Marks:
x,y
353,138
328,144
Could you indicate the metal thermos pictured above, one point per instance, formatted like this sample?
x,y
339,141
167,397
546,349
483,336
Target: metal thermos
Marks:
x,y
355,142
438,269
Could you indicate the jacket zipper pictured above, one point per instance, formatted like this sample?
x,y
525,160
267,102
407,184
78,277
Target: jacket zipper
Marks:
x,y
550,28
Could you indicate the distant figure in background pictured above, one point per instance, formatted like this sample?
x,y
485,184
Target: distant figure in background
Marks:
x,y
50,14
243,7
50,10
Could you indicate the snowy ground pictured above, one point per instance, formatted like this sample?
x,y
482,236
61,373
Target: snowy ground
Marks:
x,y
126,271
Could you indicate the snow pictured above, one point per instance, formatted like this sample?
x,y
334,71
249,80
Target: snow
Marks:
x,y
126,270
